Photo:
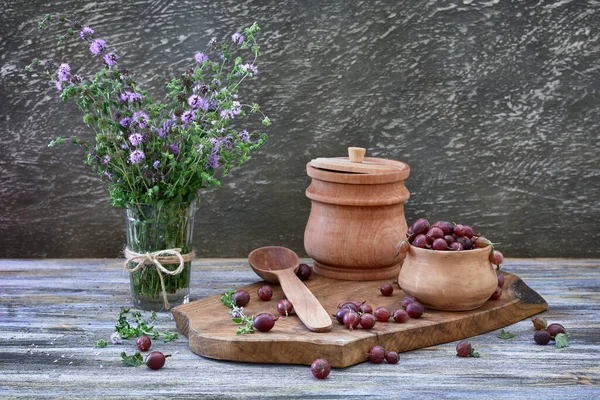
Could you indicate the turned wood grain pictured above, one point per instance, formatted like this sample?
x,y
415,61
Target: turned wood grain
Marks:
x,y
344,165
449,280
52,311
355,221
290,342
279,265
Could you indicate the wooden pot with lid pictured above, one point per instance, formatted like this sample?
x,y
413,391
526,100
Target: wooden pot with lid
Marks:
x,y
357,216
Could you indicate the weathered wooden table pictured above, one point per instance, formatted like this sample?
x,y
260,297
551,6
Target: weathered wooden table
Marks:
x,y
53,311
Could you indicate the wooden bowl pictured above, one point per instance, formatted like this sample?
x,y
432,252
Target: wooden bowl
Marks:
x,y
448,280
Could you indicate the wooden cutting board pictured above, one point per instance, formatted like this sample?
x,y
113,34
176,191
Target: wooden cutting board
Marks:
x,y
211,332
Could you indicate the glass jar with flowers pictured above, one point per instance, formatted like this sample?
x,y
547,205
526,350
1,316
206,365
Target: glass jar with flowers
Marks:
x,y
155,157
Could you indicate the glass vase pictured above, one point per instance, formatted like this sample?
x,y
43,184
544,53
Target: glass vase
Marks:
x,y
151,229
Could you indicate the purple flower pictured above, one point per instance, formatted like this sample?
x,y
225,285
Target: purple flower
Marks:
x,y
213,160
156,164
244,136
188,116
97,46
106,160
238,38
110,59
228,142
130,96
136,156
59,86
135,139
123,145
226,114
108,175
64,71
202,89
195,101
161,133
173,148
200,57
140,118
236,108
216,82
125,122
216,145
86,32
250,68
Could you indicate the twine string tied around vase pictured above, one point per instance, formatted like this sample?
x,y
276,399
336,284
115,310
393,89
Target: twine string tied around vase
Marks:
x,y
158,258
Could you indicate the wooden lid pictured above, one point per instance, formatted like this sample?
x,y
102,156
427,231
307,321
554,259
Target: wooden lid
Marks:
x,y
354,163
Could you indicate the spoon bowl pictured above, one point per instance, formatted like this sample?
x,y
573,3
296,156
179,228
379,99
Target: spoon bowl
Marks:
x,y
278,264
267,261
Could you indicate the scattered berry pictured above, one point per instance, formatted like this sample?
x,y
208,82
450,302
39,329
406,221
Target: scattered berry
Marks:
x,y
352,305
304,272
497,294
500,279
367,321
542,337
265,292
351,320
386,289
415,310
539,323
366,309
320,368
464,349
555,329
400,316
284,307
407,300
143,343
376,354
241,298
339,315
392,357
156,360
264,322
382,314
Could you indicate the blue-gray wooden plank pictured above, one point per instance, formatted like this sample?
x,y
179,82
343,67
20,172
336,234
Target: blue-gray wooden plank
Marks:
x,y
53,311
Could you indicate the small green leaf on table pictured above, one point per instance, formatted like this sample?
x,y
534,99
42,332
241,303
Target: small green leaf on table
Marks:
x,y
132,361
505,335
562,340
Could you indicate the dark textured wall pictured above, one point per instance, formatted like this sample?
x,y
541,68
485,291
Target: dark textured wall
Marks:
x,y
494,104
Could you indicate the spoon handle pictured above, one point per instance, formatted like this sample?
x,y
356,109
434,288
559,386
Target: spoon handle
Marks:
x,y
306,305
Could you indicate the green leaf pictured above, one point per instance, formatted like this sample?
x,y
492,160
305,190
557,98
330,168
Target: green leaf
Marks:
x,y
505,335
562,340
101,343
227,298
237,320
159,205
266,121
170,336
474,353
132,361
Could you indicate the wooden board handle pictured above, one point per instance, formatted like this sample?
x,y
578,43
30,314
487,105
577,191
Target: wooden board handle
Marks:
x,y
306,305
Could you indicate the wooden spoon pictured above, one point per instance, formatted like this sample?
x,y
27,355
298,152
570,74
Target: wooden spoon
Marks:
x,y
279,264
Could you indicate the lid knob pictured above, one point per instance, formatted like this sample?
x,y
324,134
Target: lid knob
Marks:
x,y
356,154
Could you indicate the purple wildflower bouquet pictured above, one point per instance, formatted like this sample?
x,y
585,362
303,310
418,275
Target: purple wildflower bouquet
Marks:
x,y
161,153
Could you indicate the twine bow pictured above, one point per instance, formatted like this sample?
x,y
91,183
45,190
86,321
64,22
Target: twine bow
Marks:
x,y
169,256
